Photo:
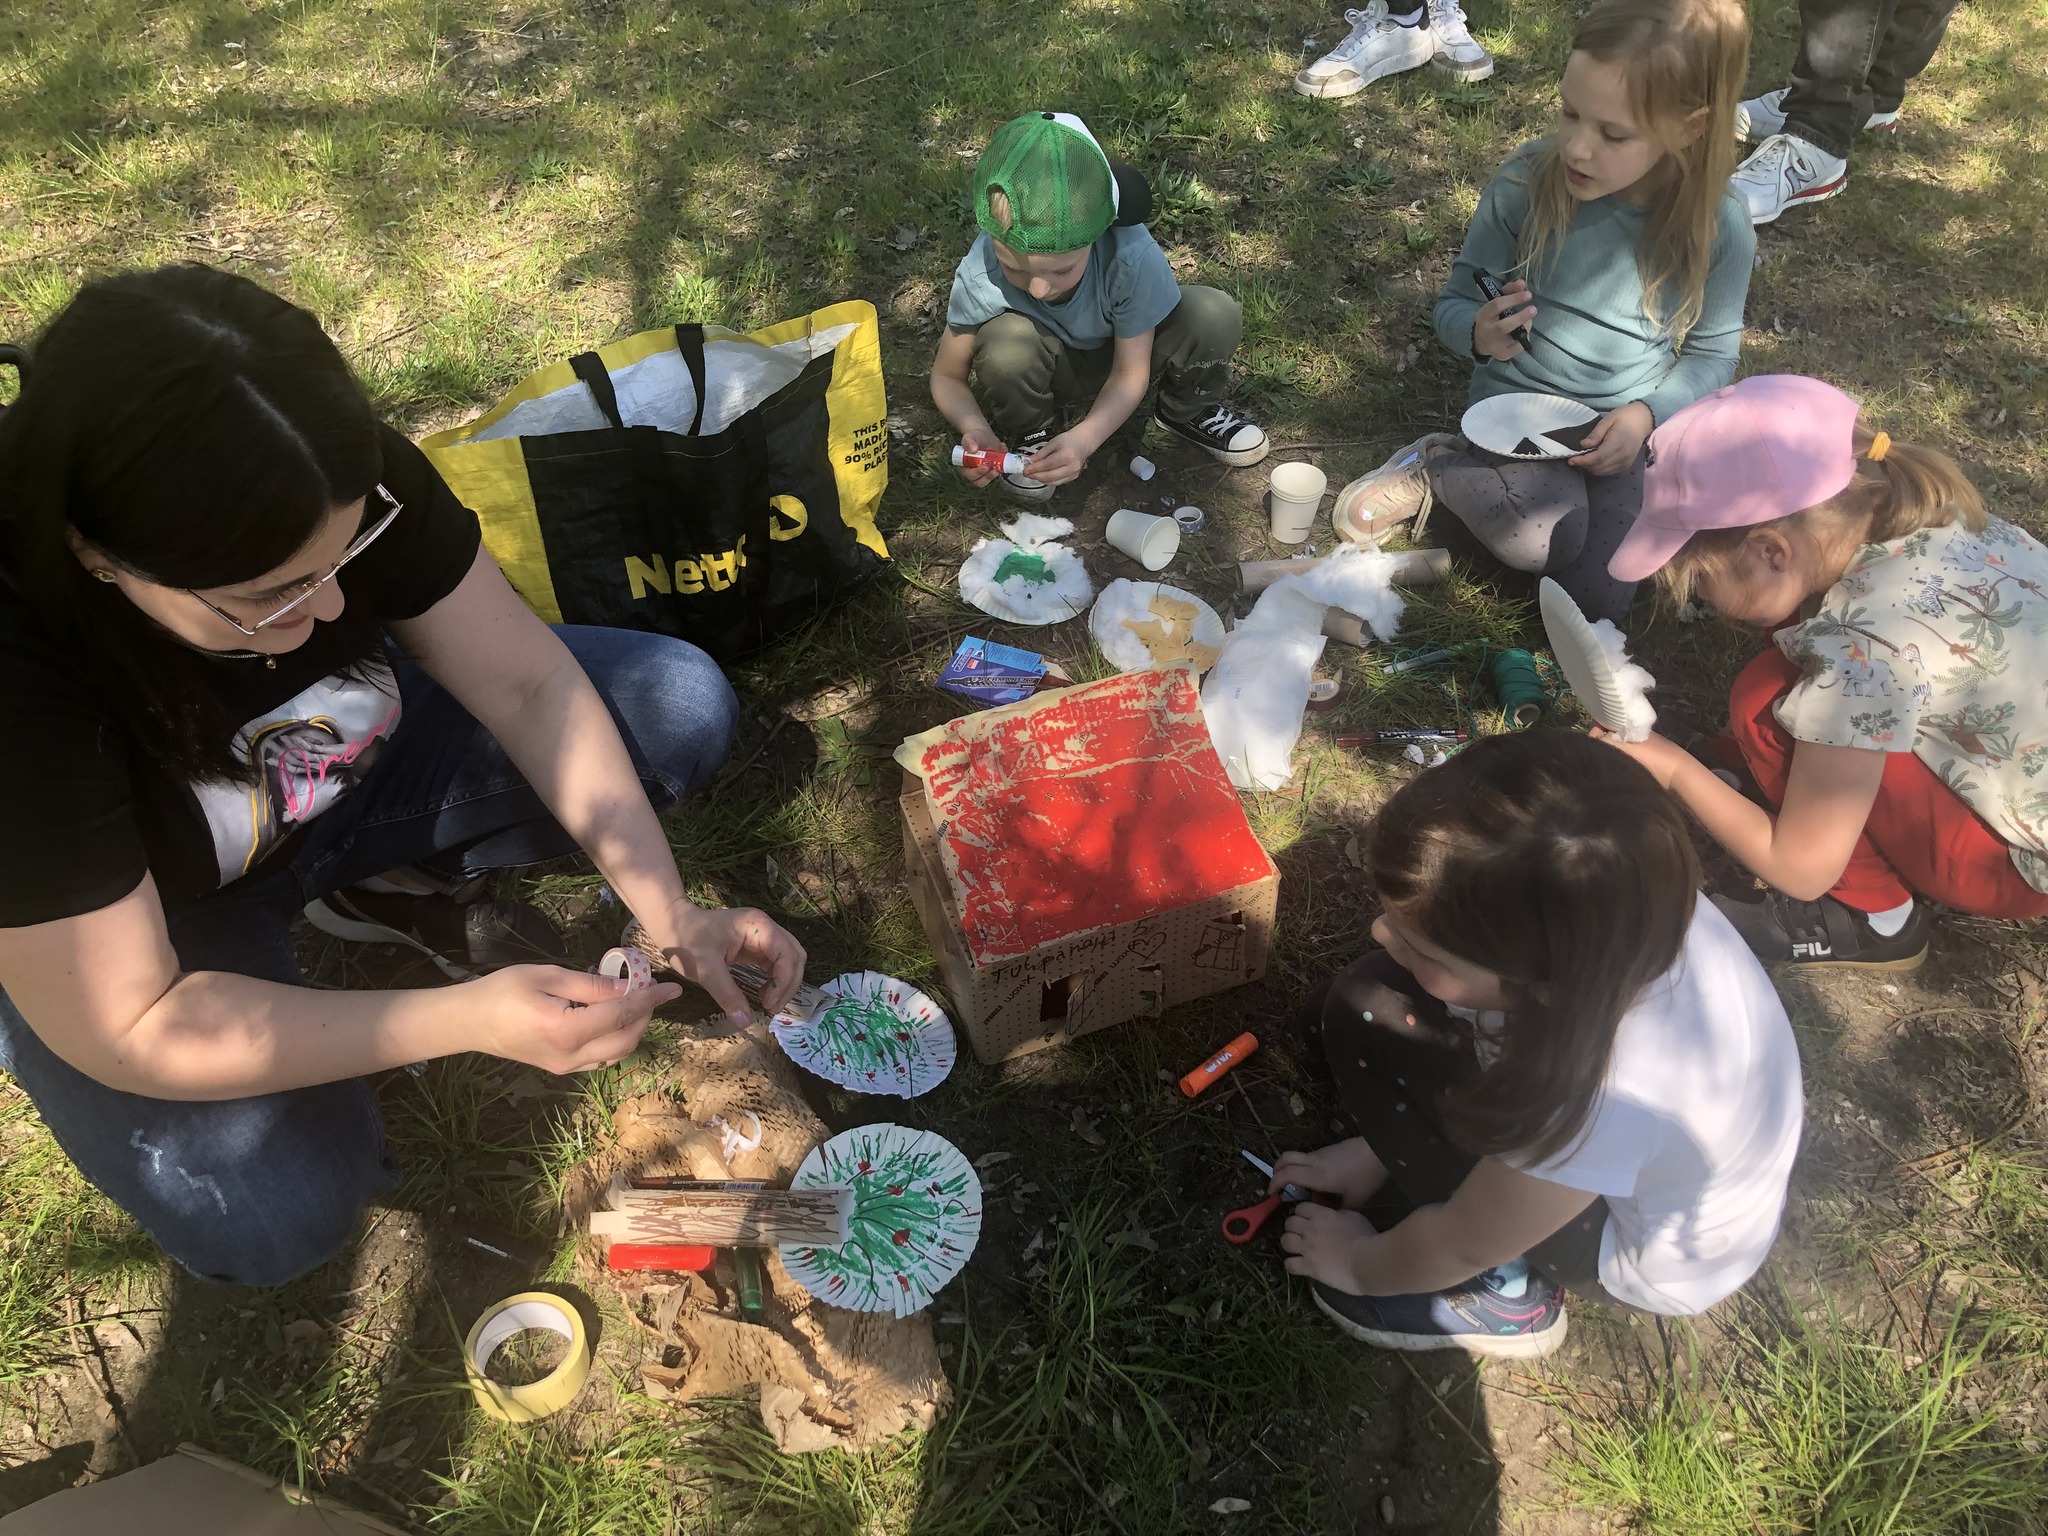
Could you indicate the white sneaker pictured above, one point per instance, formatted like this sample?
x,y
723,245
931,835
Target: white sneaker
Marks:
x,y
1378,46
1786,172
1762,116
1456,53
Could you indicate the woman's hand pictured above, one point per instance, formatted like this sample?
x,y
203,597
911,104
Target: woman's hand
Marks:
x,y
1350,1170
702,943
1324,1245
1615,440
980,438
559,1020
1661,755
1494,326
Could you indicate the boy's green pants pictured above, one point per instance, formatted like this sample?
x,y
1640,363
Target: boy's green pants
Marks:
x,y
1027,373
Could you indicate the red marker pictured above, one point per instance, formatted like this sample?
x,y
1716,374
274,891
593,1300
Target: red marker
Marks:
x,y
691,1256
1218,1064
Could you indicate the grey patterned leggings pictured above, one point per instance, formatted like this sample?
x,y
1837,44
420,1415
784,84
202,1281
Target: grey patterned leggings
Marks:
x,y
1547,518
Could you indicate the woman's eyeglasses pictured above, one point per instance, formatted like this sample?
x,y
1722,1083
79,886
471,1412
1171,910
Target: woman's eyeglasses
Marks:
x,y
361,542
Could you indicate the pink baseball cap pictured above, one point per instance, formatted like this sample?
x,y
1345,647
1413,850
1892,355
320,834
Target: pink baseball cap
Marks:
x,y
1761,448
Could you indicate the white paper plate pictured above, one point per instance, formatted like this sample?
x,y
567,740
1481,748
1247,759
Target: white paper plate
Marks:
x,y
1028,576
1500,423
874,1034
1125,603
1595,662
916,1218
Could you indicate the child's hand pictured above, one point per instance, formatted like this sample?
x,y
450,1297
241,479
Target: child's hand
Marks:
x,y
1062,458
1350,1170
981,439
1324,1245
1660,754
1497,319
1616,439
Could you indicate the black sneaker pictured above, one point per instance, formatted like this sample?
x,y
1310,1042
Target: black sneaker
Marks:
x,y
463,938
1023,487
1511,1310
1227,436
1783,931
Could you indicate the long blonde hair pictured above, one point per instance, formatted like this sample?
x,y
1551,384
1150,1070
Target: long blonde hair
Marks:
x,y
1904,490
1679,57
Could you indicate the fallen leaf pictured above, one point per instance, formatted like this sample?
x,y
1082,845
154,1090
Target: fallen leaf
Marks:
x,y
1037,1242
1352,854
303,1334
1184,1307
1134,1237
906,237
1085,1127
1230,1506
990,1159
1296,1106
1386,1509
220,1390
393,1451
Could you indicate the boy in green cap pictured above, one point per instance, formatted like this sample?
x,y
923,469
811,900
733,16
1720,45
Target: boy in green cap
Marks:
x,y
1065,295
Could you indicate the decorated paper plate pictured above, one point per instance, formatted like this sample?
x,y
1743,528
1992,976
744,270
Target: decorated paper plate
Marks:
x,y
1028,576
916,1216
1594,660
874,1034
1142,624
1528,426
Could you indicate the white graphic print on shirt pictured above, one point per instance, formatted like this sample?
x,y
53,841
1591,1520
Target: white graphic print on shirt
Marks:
x,y
305,755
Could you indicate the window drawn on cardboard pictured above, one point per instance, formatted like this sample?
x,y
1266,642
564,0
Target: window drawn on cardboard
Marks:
x,y
916,1218
875,1034
1222,945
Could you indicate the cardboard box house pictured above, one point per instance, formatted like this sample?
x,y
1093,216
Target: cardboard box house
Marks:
x,y
1080,859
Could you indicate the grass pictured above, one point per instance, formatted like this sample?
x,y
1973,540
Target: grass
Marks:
x,y
465,190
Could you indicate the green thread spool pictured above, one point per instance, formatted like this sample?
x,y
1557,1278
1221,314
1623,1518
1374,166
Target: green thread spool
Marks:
x,y
1519,687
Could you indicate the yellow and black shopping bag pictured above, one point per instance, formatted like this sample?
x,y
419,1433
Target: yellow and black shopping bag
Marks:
x,y
715,486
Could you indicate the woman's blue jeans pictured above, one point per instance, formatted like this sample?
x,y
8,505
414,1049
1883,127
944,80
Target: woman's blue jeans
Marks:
x,y
257,1191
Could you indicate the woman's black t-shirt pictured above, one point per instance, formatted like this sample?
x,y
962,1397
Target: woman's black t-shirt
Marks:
x,y
83,815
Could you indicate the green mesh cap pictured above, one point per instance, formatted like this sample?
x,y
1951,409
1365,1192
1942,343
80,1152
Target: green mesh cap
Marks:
x,y
1057,179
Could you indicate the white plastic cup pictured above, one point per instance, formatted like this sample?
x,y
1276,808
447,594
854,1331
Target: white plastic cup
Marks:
x,y
1151,541
1295,494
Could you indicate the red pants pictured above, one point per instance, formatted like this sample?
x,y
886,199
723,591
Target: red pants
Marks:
x,y
1921,838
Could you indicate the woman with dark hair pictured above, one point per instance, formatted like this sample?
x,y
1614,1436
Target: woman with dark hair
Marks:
x,y
254,659
1567,1072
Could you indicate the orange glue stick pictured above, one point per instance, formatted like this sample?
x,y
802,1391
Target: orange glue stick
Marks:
x,y
1218,1064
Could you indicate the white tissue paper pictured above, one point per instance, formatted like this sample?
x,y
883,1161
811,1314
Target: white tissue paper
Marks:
x,y
1044,583
1631,679
1258,689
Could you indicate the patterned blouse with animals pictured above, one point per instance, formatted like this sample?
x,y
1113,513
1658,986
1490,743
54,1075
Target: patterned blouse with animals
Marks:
x,y
1937,644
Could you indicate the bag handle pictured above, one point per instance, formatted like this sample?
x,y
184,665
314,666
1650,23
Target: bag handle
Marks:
x,y
690,343
590,369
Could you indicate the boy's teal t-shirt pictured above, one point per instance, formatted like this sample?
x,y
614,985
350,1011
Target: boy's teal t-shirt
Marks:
x,y
1126,289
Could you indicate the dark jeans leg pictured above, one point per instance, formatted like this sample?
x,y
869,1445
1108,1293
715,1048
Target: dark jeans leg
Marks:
x,y
1612,504
1916,30
256,1191
1830,95
1192,349
445,794
1024,375
243,1191
1391,1077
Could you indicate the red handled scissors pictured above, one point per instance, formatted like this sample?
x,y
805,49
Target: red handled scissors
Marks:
x,y
1242,1226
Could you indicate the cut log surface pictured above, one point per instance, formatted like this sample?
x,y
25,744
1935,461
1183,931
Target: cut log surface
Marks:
x,y
724,1218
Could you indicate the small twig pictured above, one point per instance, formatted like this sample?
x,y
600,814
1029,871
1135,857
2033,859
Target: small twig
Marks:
x,y
1892,1296
1483,1448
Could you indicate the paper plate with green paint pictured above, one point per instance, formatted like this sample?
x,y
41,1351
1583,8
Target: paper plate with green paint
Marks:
x,y
1028,576
916,1217
874,1034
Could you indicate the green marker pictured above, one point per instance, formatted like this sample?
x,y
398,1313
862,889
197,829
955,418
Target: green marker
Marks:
x,y
746,1263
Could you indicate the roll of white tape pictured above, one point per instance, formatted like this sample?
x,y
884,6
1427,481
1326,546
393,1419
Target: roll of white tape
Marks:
x,y
554,1391
629,964
1189,518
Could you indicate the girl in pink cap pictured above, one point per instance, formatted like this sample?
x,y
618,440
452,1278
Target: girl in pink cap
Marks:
x,y
1897,731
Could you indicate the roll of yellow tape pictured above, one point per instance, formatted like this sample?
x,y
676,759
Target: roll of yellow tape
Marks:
x,y
554,1391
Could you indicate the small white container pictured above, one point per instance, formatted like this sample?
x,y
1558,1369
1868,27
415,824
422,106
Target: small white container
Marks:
x,y
1151,541
1295,495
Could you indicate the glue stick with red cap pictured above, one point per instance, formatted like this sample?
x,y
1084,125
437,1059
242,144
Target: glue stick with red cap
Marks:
x,y
993,460
1218,1064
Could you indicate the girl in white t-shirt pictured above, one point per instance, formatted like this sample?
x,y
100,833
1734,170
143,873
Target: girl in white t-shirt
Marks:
x,y
1566,1071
